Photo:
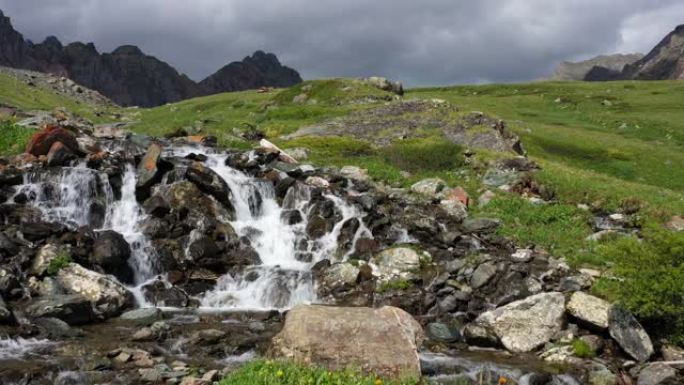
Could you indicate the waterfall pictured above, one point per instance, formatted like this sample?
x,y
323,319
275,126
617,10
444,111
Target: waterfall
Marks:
x,y
124,216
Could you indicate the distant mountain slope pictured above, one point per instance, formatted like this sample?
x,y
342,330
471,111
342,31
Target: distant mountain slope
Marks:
x,y
664,62
130,77
579,70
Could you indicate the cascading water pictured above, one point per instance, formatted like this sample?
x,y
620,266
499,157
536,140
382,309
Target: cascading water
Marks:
x,y
281,281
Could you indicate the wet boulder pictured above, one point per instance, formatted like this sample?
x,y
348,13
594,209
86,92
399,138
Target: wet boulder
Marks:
x,y
108,297
41,142
160,294
521,326
73,309
629,334
59,155
209,182
37,230
5,313
11,176
345,240
156,206
150,171
382,341
111,252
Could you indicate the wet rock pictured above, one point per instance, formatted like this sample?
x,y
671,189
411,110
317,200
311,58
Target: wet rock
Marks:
x,y
629,334
72,309
589,309
41,142
347,232
442,333
54,328
206,337
157,206
339,276
5,313
480,225
483,274
159,294
397,262
45,255
150,172
317,227
143,316
211,183
37,231
291,217
657,374
429,188
382,341
11,176
111,252
59,155
109,297
524,325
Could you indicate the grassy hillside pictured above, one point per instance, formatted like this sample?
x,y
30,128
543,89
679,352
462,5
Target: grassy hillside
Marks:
x,y
607,145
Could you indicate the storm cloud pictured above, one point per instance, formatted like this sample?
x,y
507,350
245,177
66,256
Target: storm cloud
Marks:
x,y
421,42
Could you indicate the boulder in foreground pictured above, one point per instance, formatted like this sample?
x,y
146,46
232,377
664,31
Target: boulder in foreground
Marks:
x,y
382,341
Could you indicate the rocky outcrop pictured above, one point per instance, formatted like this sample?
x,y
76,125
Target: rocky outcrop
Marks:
x,y
259,70
579,70
130,77
383,341
664,62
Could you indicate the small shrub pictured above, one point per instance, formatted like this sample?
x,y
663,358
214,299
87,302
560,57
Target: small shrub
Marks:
x,y
285,373
13,138
651,279
62,260
582,349
395,284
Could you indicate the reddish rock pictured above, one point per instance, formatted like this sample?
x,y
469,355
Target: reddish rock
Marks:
x,y
59,155
458,193
42,141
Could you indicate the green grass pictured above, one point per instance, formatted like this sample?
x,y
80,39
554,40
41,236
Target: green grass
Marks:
x,y
61,260
18,94
13,138
285,373
582,349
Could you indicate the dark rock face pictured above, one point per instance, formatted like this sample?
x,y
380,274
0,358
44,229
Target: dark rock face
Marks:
x,y
111,252
259,70
129,77
664,62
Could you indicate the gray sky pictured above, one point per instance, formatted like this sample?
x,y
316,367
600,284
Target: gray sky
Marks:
x,y
420,42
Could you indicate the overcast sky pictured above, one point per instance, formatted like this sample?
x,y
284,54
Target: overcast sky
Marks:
x,y
421,42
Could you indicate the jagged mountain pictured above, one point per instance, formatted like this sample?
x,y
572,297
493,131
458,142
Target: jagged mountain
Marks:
x,y
579,70
130,77
664,62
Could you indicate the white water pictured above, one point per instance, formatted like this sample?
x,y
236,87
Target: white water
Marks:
x,y
18,348
280,281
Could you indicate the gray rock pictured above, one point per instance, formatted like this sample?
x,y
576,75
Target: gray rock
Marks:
x,y
590,309
429,188
442,332
55,328
396,262
629,334
480,225
5,313
600,375
151,375
657,373
524,325
109,297
143,316
72,309
43,258
111,252
483,274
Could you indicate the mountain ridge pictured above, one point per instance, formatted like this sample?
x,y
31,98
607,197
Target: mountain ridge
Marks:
x,y
130,77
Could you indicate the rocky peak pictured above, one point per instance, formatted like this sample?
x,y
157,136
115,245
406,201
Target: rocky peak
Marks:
x,y
259,70
129,50
665,61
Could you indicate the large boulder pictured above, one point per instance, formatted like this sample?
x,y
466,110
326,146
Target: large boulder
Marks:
x,y
43,258
589,309
73,309
109,297
658,373
521,326
385,84
210,183
149,173
629,334
59,155
383,341
41,142
111,252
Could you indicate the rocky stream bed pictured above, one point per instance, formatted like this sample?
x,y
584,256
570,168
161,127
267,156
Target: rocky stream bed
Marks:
x,y
126,259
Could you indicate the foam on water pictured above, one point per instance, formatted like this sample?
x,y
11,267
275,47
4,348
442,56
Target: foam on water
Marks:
x,y
19,348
